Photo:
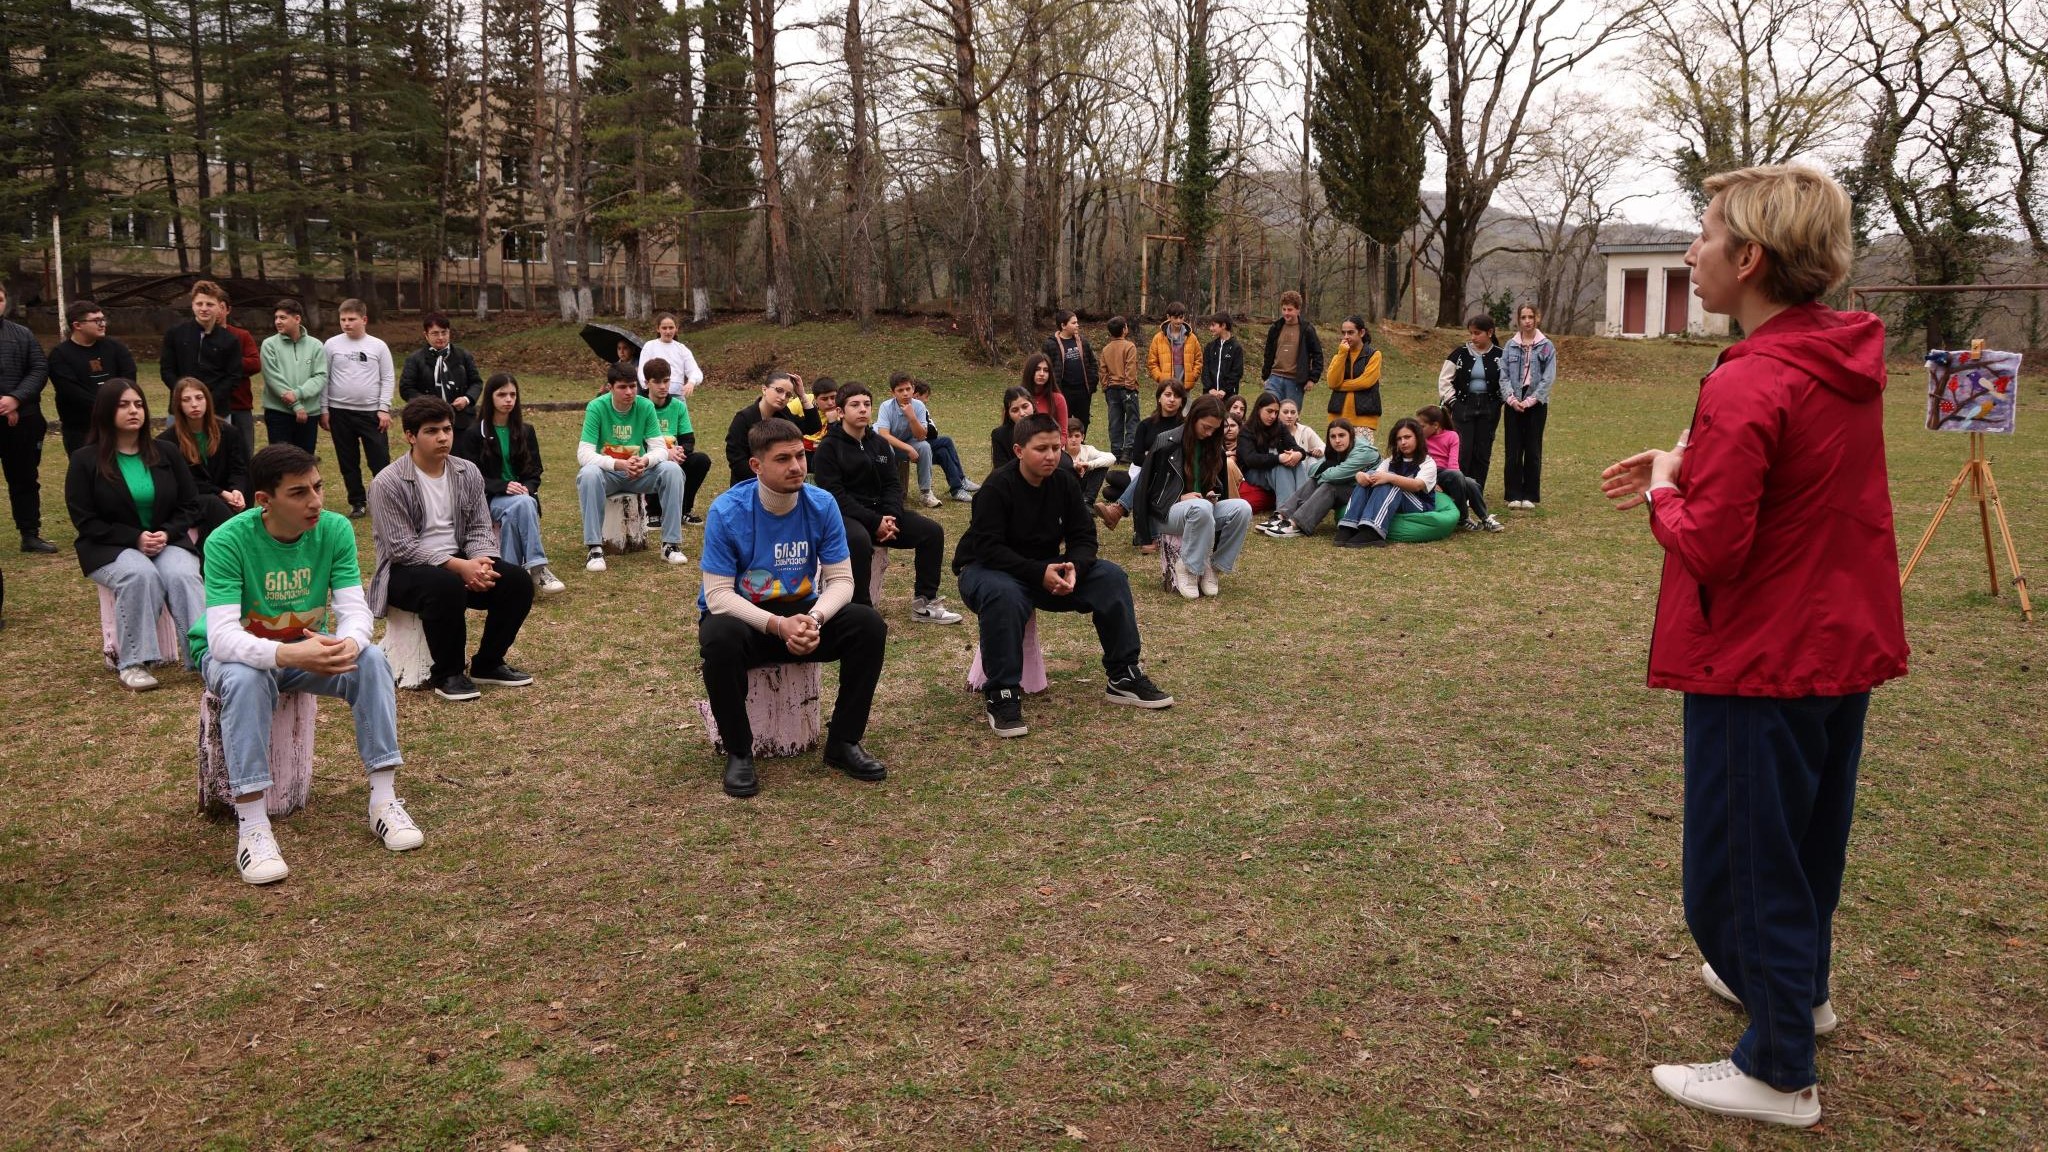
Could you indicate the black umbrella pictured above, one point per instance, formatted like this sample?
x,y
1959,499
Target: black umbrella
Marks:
x,y
604,339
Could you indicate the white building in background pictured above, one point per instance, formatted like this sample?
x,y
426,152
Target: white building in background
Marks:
x,y
1649,293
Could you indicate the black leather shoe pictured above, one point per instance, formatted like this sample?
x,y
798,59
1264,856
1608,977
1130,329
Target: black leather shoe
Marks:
x,y
740,781
854,760
38,545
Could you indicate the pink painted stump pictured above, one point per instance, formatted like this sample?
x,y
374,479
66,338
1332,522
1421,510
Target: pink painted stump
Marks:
x,y
1034,662
782,707
291,756
169,645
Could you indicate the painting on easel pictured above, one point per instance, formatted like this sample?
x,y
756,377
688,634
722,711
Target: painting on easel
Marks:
x,y
1972,391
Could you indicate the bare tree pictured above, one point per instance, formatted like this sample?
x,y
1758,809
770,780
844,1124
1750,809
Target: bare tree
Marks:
x,y
860,189
2012,80
1743,82
1497,55
1565,194
781,296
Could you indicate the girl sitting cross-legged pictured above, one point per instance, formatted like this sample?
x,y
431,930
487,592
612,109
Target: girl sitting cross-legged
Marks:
x,y
1403,482
1268,456
1349,451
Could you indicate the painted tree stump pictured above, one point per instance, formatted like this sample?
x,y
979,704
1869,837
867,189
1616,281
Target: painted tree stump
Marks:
x,y
291,756
876,572
405,648
169,645
625,523
1169,552
782,707
1034,662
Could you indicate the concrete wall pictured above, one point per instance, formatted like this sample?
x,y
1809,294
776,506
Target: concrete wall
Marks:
x,y
1699,321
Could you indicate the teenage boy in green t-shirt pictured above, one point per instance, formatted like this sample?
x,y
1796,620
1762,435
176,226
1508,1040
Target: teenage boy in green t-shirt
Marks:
x,y
271,573
623,450
672,413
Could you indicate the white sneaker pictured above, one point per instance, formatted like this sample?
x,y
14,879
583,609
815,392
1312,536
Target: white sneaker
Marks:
x,y
544,578
395,828
1208,583
930,501
932,611
1824,1018
257,858
136,678
596,561
1184,582
673,553
1492,524
1726,1090
969,486
963,496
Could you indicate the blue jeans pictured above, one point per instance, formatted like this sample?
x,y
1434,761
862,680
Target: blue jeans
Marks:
x,y
1770,789
596,485
1280,481
248,695
1284,389
1002,604
1123,421
518,520
1201,524
143,587
941,450
1373,508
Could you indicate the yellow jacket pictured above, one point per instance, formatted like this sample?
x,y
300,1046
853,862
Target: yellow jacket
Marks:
x,y
1356,390
1160,359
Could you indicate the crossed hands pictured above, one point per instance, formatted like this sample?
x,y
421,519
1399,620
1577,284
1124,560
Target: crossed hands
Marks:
x,y
319,654
799,634
478,574
1059,578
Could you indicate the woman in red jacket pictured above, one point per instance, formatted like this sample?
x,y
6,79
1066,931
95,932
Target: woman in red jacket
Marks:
x,y
1778,613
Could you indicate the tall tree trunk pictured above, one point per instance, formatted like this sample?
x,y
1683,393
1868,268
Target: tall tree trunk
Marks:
x,y
483,162
1027,252
782,284
156,91
977,249
203,164
358,260
229,103
546,113
860,201
693,183
578,178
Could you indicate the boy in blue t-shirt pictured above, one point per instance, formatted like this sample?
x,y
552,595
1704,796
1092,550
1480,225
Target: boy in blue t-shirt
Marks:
x,y
905,422
778,589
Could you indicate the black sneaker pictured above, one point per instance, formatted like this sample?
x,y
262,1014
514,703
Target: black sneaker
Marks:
x,y
457,687
1006,713
358,511
692,518
503,674
1137,690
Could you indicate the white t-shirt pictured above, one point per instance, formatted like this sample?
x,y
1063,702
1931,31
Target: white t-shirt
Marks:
x,y
437,515
682,367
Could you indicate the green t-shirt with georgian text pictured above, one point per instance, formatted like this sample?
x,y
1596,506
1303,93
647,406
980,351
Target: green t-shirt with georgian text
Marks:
x,y
620,435
673,418
282,588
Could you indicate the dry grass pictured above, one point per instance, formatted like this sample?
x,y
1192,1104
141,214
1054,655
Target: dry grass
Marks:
x,y
1400,870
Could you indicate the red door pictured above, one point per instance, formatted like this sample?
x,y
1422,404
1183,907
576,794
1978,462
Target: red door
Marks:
x,y
1677,300
1635,300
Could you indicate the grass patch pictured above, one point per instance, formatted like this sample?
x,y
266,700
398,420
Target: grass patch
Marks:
x,y
1291,912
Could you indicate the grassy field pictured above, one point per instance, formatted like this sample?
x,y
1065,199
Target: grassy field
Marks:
x,y
1400,870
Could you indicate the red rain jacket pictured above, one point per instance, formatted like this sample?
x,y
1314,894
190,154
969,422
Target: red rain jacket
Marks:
x,y
1781,573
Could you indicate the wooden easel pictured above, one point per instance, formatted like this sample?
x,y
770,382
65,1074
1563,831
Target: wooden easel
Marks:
x,y
1984,489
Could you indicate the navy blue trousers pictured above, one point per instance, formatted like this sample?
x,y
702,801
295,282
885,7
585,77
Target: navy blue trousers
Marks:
x,y
1770,787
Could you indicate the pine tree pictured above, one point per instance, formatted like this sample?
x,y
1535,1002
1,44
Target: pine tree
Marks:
x,y
724,126
1368,117
634,130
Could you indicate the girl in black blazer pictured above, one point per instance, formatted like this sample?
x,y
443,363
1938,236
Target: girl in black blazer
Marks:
x,y
501,441
219,463
135,506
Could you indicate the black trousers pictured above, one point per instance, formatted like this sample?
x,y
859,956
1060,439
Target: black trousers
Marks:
x,y
355,435
854,639
925,535
74,424
1080,405
1478,421
1002,604
1523,475
21,462
1101,482
284,428
439,598
695,465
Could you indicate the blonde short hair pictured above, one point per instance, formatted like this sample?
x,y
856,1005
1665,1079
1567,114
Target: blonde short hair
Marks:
x,y
1798,215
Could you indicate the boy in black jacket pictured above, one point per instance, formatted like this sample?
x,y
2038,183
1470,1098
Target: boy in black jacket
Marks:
x,y
1031,544
858,468
1294,355
444,370
1223,360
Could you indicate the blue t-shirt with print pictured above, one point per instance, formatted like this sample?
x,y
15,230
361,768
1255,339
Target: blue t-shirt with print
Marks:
x,y
772,560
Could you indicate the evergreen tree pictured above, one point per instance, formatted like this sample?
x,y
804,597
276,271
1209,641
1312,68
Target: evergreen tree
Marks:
x,y
724,131
1368,117
636,135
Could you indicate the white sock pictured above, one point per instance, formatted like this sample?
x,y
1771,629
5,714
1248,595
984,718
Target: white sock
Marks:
x,y
252,815
383,787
